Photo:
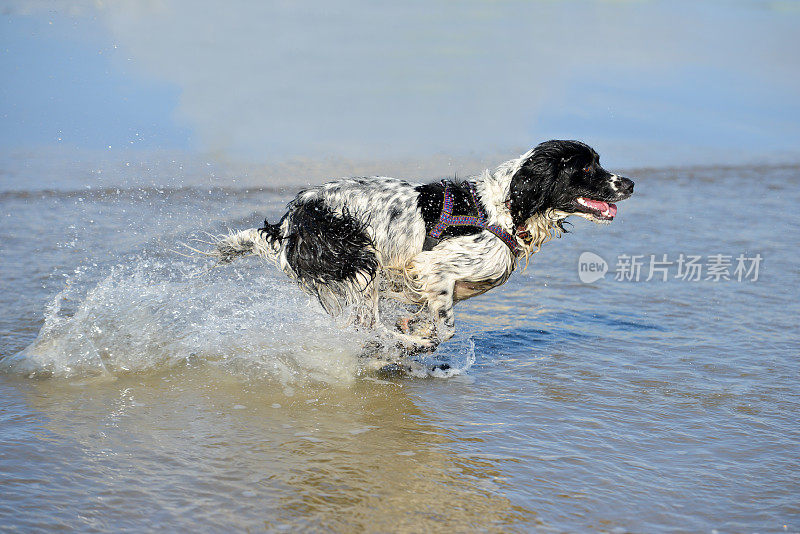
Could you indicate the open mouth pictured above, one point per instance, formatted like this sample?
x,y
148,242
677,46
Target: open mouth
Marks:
x,y
596,209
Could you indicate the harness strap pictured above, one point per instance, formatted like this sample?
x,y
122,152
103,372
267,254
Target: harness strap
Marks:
x,y
448,219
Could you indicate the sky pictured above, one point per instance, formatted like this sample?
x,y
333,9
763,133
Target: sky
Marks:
x,y
647,83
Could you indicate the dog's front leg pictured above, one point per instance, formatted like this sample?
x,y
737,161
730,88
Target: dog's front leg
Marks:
x,y
439,294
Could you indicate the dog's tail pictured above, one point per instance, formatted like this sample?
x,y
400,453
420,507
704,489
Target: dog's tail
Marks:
x,y
264,242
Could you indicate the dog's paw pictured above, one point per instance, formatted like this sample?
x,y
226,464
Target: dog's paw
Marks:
x,y
411,344
418,345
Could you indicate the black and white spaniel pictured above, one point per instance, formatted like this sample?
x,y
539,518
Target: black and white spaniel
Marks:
x,y
355,241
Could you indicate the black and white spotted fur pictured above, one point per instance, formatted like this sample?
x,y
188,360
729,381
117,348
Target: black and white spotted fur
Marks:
x,y
354,241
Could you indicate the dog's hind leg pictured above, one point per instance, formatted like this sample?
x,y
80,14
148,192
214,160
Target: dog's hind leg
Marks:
x,y
407,341
367,310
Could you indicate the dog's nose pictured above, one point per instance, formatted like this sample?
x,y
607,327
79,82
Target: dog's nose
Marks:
x,y
625,186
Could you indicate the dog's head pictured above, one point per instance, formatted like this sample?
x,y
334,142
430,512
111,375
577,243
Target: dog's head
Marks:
x,y
565,178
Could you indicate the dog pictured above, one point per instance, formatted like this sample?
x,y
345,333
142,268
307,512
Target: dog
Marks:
x,y
353,242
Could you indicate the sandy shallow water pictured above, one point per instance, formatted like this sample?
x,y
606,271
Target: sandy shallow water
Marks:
x,y
135,396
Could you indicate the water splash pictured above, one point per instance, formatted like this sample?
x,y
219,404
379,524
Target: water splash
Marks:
x,y
151,315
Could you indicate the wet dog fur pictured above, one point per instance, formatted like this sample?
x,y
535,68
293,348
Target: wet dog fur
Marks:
x,y
355,241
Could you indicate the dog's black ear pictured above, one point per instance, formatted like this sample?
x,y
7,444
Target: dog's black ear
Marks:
x,y
530,188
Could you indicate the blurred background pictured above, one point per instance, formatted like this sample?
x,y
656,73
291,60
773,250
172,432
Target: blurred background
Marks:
x,y
300,91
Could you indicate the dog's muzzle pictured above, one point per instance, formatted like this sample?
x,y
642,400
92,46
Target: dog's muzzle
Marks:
x,y
622,186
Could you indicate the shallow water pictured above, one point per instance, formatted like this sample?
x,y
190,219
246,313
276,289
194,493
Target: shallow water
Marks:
x,y
135,395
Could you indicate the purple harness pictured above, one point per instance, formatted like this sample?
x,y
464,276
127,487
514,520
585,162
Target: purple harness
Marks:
x,y
448,219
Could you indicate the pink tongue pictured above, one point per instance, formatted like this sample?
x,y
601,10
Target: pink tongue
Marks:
x,y
601,206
